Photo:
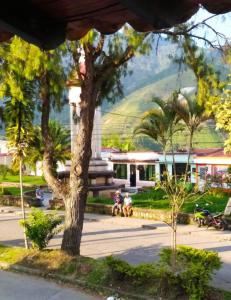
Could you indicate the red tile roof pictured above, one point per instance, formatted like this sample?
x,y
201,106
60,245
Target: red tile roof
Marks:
x,y
211,152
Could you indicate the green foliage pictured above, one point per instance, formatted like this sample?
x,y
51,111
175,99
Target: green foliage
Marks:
x,y
60,138
209,85
33,180
4,170
120,142
194,269
142,275
12,190
41,227
161,123
217,202
222,111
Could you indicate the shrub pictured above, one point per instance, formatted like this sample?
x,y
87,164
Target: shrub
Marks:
x,y
3,171
154,278
195,268
41,227
183,218
7,192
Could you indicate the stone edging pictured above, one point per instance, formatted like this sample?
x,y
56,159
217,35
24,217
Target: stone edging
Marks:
x,y
75,282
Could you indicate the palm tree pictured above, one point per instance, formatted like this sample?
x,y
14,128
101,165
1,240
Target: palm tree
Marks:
x,y
60,138
192,114
160,124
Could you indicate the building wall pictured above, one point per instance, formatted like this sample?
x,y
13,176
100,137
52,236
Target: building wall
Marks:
x,y
3,147
5,160
139,183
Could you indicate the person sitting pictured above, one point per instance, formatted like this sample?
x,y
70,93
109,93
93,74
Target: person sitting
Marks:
x,y
118,203
39,195
127,208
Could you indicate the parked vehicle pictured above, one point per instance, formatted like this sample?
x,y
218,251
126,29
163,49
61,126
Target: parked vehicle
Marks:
x,y
217,221
203,217
200,215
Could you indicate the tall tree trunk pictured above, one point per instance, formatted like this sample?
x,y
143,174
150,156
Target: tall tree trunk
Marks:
x,y
75,204
174,236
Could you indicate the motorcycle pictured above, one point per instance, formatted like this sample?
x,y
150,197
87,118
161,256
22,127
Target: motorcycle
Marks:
x,y
200,215
204,218
217,221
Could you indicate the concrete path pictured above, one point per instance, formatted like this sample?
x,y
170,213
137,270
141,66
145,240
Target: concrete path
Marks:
x,y
104,235
22,287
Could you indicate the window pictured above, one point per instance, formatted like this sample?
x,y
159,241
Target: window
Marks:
x,y
202,172
120,171
146,172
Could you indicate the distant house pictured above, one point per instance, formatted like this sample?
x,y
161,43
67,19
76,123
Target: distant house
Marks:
x,y
5,156
135,168
144,168
211,164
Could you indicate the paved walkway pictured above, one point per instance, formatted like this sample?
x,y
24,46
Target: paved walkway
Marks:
x,y
104,235
22,287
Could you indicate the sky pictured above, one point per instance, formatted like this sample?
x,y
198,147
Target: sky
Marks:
x,y
221,23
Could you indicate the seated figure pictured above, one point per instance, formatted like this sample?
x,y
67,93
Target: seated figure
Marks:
x,y
127,208
118,203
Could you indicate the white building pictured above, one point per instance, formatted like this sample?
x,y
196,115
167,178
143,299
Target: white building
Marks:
x,y
135,168
5,157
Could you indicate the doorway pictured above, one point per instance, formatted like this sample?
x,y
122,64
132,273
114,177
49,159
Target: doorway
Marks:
x,y
132,175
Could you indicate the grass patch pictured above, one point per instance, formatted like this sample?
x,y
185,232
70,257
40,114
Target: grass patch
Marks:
x,y
34,180
14,191
99,200
226,295
57,262
156,199
216,203
153,279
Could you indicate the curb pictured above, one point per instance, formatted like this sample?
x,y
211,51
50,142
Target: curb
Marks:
x,y
74,282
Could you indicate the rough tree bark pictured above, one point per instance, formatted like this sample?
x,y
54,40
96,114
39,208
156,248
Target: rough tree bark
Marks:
x,y
75,203
74,193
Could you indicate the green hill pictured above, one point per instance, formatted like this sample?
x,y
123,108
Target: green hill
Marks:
x,y
125,115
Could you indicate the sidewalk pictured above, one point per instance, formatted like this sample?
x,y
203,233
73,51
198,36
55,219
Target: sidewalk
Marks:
x,y
22,287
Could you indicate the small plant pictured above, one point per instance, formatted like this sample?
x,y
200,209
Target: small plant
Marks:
x,y
40,227
194,269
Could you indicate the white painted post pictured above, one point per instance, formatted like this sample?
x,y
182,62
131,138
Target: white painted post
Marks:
x,y
157,171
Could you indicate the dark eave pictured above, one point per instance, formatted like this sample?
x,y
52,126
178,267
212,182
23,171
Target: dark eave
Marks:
x,y
47,23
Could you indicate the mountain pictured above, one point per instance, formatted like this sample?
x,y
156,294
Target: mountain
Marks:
x,y
122,118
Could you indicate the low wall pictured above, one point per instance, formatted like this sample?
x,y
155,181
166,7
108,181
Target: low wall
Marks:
x,y
141,213
9,200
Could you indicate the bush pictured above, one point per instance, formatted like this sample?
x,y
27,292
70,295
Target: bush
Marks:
x,y
7,192
183,218
194,269
155,279
41,227
3,171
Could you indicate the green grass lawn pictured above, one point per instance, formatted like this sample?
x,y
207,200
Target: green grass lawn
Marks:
x,y
156,199
34,180
12,190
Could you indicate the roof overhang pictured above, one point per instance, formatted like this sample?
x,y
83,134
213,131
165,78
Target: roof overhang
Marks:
x,y
47,23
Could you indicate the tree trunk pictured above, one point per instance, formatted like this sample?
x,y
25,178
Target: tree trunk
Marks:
x,y
75,204
174,236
